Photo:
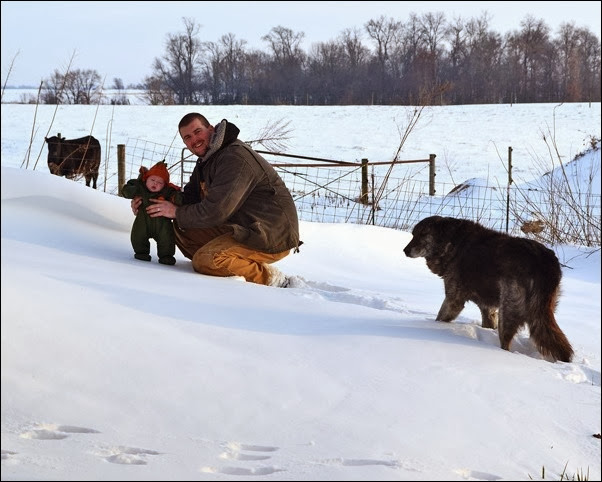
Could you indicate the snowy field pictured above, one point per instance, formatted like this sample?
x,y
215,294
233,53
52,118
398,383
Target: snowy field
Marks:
x,y
116,369
469,141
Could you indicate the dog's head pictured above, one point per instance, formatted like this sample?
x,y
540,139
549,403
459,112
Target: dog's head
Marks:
x,y
423,238
431,237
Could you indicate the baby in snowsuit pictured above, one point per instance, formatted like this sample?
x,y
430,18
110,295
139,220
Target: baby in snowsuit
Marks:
x,y
153,183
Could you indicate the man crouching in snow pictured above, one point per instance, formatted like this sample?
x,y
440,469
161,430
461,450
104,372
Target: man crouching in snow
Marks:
x,y
237,217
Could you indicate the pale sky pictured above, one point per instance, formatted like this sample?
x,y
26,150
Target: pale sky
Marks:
x,y
121,39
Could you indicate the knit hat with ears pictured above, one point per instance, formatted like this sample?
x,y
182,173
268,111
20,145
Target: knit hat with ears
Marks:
x,y
159,169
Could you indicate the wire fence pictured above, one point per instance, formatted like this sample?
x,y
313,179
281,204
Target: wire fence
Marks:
x,y
399,195
330,195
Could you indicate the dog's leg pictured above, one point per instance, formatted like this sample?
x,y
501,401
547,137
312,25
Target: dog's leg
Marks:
x,y
488,317
450,309
513,312
508,325
453,303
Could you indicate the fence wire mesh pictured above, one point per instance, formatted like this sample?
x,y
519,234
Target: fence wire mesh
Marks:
x,y
399,197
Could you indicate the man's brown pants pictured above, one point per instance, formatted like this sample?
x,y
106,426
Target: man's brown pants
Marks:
x,y
215,252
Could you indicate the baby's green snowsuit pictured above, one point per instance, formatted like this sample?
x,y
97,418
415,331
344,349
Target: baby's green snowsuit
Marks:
x,y
145,227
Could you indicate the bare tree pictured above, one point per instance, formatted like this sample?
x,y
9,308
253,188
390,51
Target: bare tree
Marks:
x,y
287,64
356,58
568,72
530,52
589,49
120,98
356,53
386,34
398,63
179,69
225,70
234,67
456,35
432,27
83,86
157,92
212,69
73,87
257,78
481,72
327,72
53,88
284,44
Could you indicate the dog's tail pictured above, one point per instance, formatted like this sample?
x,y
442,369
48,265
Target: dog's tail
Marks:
x,y
546,333
544,329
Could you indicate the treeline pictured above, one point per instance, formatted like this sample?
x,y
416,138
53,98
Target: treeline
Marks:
x,y
388,62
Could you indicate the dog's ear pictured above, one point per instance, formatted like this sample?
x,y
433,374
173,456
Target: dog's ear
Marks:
x,y
425,225
446,227
440,225
455,229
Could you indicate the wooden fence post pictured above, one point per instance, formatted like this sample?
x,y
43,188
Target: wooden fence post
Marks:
x,y
432,174
508,188
120,167
364,194
373,202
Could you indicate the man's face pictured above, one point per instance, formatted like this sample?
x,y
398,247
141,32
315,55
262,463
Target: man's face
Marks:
x,y
196,137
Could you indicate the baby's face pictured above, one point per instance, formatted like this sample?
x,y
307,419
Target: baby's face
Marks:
x,y
155,183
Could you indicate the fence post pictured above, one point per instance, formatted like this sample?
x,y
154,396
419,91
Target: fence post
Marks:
x,y
508,188
364,194
373,201
432,174
120,167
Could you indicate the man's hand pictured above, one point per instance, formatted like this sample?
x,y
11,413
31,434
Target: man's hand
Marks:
x,y
161,207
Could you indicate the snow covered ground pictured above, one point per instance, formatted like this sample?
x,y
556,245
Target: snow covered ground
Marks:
x,y
116,369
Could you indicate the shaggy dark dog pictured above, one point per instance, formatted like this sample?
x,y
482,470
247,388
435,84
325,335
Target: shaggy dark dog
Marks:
x,y
513,281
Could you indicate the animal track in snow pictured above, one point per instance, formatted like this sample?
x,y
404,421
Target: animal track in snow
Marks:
x,y
476,475
252,471
129,455
394,464
48,431
118,455
235,451
580,373
7,454
327,291
239,456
